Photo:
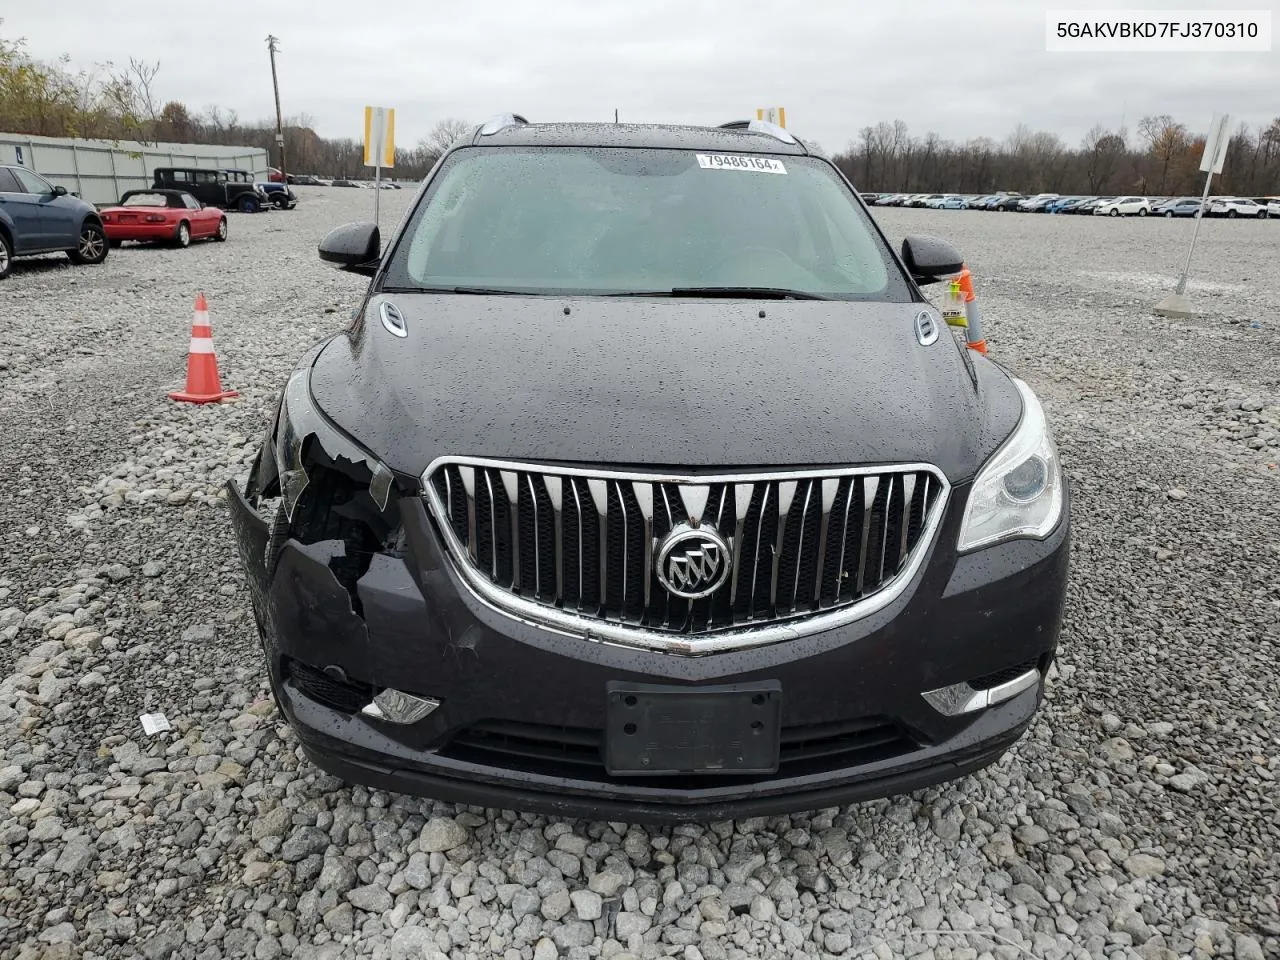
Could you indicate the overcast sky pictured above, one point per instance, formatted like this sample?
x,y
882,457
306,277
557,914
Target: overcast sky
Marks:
x,y
961,68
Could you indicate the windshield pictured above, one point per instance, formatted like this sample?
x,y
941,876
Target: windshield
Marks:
x,y
146,200
570,220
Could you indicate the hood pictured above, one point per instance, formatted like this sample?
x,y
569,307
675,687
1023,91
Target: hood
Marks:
x,y
662,383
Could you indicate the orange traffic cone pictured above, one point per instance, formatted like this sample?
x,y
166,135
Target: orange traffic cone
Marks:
x,y
203,385
973,315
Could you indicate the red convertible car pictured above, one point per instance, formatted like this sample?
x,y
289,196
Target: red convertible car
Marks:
x,y
167,216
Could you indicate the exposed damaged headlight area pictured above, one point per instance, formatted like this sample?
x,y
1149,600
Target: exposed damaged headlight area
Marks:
x,y
314,485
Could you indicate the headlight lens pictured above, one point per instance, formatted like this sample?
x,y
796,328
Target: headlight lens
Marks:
x,y
1018,493
299,419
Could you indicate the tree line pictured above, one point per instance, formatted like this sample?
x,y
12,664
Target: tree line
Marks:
x,y
1161,159
120,102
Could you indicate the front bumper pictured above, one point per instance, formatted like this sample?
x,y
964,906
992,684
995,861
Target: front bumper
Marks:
x,y
411,623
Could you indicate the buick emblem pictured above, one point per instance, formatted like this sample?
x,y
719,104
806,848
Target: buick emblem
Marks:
x,y
693,563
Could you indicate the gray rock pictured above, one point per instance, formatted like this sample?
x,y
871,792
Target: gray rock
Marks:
x,y
198,632
1142,865
338,874
412,943
75,857
587,904
1247,948
370,898
302,843
556,904
607,882
417,872
163,944
442,834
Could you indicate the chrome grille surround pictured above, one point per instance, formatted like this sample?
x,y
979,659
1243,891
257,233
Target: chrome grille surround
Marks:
x,y
581,511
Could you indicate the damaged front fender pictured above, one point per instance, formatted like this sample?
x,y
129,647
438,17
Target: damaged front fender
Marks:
x,y
299,420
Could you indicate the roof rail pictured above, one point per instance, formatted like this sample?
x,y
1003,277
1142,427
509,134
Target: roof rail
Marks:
x,y
761,126
501,122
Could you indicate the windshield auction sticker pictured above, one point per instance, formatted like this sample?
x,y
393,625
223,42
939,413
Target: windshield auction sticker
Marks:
x,y
724,161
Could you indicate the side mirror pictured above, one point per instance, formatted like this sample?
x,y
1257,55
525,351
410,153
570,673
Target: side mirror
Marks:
x,y
353,246
59,191
929,259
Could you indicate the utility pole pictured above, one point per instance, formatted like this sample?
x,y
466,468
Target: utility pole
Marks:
x,y
615,114
271,48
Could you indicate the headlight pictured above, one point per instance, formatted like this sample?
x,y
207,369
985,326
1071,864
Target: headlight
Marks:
x,y
300,419
1018,493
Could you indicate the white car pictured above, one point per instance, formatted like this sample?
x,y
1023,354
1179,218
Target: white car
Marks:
x,y
1123,207
1235,207
1029,202
1273,206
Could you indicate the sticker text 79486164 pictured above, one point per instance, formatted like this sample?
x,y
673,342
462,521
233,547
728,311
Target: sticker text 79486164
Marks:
x,y
751,164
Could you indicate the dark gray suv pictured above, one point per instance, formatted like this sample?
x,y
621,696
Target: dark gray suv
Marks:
x,y
37,217
647,485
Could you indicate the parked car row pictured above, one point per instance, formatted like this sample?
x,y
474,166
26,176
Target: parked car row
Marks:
x,y
37,217
1115,206
227,189
306,180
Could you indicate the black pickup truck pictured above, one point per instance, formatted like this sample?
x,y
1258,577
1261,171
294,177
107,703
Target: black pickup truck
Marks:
x,y
214,188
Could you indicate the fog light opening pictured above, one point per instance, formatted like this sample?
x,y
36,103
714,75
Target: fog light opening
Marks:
x,y
961,698
396,706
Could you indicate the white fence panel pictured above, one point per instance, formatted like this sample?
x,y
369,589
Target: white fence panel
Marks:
x,y
101,170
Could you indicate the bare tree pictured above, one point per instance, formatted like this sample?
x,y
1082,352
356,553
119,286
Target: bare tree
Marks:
x,y
1167,140
1103,151
442,136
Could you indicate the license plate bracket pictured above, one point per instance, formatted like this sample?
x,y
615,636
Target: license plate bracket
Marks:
x,y
666,730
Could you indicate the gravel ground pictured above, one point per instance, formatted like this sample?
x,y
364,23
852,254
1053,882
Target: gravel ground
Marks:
x,y
1138,817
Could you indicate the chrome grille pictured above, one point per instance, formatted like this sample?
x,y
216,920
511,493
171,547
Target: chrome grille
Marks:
x,y
575,548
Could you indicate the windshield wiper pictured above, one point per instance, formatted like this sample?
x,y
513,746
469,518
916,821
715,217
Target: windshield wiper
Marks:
x,y
476,291
745,293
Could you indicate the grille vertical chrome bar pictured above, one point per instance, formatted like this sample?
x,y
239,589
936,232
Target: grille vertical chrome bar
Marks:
x,y
599,491
755,565
511,483
626,544
537,546
804,516
908,497
741,504
644,496
869,489
468,475
577,512
855,490
555,492
493,524
786,493
884,533
830,486
448,496
671,522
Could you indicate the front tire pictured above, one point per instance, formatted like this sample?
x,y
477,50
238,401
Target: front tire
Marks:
x,y
1115,212
1142,211
221,235
1169,214
6,256
1231,214
183,236
92,246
